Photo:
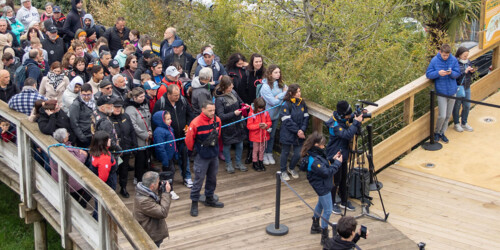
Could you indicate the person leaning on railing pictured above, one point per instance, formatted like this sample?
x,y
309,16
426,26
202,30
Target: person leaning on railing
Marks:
x,y
464,81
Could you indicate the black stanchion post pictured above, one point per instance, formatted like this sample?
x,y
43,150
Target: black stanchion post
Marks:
x,y
277,229
432,145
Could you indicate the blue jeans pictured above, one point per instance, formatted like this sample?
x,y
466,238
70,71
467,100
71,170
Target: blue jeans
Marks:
x,y
183,160
285,151
270,143
325,205
226,151
465,109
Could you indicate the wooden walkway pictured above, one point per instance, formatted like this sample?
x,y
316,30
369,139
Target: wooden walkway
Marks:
x,y
249,199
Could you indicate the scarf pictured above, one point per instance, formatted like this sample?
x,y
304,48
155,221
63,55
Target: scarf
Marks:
x,y
55,79
90,104
148,191
464,61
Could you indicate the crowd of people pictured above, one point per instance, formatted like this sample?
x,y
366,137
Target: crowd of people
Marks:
x,y
106,90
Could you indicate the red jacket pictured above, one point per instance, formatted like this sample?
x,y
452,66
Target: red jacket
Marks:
x,y
255,133
198,131
163,89
103,164
9,136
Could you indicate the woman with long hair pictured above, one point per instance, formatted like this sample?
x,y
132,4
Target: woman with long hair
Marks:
x,y
228,107
273,91
131,65
138,110
54,84
294,121
254,74
320,171
464,81
235,68
67,62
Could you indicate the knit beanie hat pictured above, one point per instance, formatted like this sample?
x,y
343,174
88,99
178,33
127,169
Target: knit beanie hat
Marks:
x,y
343,108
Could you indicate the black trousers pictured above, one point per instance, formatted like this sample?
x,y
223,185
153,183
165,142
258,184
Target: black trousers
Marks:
x,y
123,170
340,182
141,163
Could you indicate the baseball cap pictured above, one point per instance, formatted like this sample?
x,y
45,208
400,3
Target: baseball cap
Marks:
x,y
57,9
104,83
172,71
208,52
114,64
105,99
118,103
52,29
151,85
177,43
148,54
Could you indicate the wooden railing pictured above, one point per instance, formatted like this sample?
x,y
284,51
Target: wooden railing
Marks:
x,y
415,130
51,200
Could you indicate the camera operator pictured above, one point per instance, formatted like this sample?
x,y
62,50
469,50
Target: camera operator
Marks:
x,y
347,235
149,209
340,135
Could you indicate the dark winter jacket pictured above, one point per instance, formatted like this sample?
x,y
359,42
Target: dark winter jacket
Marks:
x,y
55,49
12,68
124,130
166,48
48,124
340,135
186,61
446,85
141,69
101,122
80,117
115,39
294,117
83,74
8,92
74,21
33,70
217,69
60,25
199,130
336,243
320,171
201,93
121,94
163,133
225,105
465,79
239,78
182,114
248,90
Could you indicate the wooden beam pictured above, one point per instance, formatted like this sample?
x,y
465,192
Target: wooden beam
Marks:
x,y
32,216
409,110
65,209
496,58
40,232
317,125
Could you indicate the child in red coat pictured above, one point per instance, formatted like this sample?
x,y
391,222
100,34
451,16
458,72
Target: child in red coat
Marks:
x,y
258,132
8,134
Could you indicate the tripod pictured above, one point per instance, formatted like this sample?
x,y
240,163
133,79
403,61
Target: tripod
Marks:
x,y
357,158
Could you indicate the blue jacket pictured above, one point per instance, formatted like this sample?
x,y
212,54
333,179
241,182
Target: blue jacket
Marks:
x,y
163,133
320,171
272,97
340,135
446,85
294,117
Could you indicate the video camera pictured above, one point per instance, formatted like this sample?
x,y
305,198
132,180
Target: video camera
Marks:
x,y
360,110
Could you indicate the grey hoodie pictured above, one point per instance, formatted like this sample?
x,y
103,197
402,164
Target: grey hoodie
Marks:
x,y
201,93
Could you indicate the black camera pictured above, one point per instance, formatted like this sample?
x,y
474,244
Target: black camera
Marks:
x,y
166,176
363,232
359,110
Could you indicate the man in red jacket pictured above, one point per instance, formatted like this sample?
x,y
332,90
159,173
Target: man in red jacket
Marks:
x,y
203,136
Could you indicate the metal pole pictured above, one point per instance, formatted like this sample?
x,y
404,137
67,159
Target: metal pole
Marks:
x,y
277,229
432,145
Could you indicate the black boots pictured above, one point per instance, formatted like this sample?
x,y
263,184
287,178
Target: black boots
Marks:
x,y
256,166
315,228
211,202
194,209
261,165
324,236
124,192
248,160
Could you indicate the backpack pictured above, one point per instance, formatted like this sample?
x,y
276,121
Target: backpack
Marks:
x,y
306,163
20,76
258,85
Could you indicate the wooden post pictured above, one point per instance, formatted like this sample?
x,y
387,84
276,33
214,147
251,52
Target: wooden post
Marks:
x,y
40,232
408,112
28,171
104,228
65,211
21,150
317,125
496,58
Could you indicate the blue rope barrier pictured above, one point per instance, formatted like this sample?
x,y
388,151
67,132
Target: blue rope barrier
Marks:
x,y
161,143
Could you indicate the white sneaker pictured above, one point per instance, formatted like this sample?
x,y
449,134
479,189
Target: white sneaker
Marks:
x,y
458,128
135,181
174,195
271,159
266,159
284,176
294,173
467,127
188,182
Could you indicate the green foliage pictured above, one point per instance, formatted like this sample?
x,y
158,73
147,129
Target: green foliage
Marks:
x,y
14,233
64,4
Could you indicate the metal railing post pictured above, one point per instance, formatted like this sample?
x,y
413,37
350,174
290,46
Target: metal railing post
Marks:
x,y
432,145
277,229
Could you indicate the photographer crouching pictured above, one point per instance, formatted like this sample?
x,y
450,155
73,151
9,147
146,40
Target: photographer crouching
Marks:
x,y
151,205
341,133
347,235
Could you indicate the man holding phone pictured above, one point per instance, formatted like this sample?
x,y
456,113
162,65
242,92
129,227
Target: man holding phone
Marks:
x,y
347,234
444,70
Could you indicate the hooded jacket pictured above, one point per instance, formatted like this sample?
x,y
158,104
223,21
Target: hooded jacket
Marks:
x,y
8,92
182,114
340,135
294,117
74,20
201,93
446,85
255,133
163,133
55,49
26,16
69,94
320,171
225,105
217,69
